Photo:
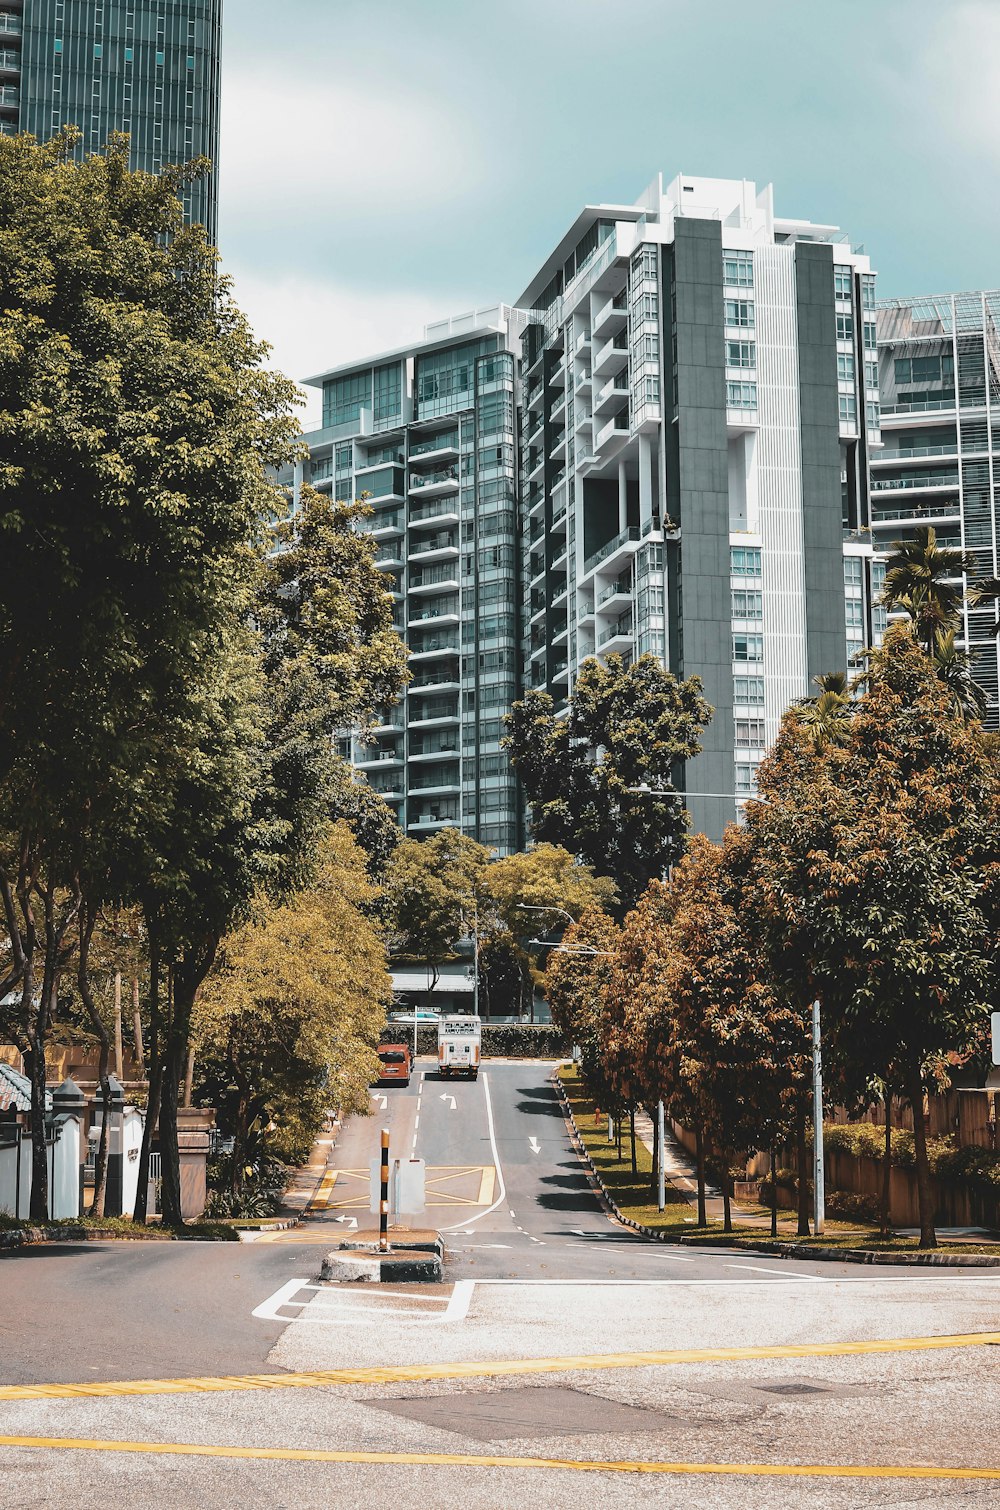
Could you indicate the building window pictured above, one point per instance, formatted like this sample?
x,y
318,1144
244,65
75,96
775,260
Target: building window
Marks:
x,y
343,398
738,269
748,647
868,291
871,376
870,335
845,328
852,571
388,401
842,282
739,312
873,416
748,690
741,395
746,779
741,353
853,613
750,732
744,561
748,605
848,408
845,367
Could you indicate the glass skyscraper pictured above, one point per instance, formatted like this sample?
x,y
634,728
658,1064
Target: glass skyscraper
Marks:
x,y
428,435
148,67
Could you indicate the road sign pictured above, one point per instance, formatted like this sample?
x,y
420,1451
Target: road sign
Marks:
x,y
407,1186
995,1024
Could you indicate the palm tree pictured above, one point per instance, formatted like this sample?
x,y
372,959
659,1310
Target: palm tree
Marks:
x,y
923,580
986,590
827,717
955,671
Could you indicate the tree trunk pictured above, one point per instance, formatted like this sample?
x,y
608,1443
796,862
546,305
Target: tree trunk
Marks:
x,y
884,1212
802,1149
87,922
38,1209
140,1057
155,1078
186,976
699,1147
774,1192
727,1210
631,1128
925,1195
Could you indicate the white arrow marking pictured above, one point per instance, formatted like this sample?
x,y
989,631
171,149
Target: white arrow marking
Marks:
x,y
446,1097
534,1145
351,1221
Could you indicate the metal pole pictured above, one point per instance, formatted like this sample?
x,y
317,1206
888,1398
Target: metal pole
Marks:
x,y
818,1177
475,966
383,1205
611,1128
661,1189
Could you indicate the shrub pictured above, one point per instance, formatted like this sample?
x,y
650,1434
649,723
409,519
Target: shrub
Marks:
x,y
848,1207
501,1040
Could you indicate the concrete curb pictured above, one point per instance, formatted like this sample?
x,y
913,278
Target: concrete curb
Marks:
x,y
765,1245
402,1266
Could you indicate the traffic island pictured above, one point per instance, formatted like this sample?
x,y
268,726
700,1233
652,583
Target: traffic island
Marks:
x,y
412,1256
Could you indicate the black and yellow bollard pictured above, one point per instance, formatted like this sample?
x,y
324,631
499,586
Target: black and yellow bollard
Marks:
x,y
383,1206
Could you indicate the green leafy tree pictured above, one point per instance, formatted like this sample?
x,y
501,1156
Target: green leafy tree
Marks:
x,y
433,888
924,581
627,726
137,421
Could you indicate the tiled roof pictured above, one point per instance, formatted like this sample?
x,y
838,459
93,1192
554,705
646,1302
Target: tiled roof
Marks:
x,y
15,1090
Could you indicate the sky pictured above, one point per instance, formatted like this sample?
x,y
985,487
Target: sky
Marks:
x,y
385,163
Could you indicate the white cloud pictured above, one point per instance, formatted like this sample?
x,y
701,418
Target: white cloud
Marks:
x,y
299,145
313,325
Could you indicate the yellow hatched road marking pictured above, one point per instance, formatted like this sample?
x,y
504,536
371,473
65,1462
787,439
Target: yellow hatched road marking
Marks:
x,y
324,1191
473,1460
487,1186
407,1373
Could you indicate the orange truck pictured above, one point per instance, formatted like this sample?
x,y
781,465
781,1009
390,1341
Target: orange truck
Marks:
x,y
394,1064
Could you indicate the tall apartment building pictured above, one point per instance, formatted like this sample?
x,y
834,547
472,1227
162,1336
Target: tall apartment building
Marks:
x,y
148,67
939,372
700,396
428,434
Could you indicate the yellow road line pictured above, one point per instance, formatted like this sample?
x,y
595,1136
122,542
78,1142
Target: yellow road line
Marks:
x,y
487,1186
324,1191
410,1373
473,1460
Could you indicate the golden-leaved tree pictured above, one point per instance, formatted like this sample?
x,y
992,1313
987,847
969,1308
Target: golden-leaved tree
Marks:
x,y
288,1021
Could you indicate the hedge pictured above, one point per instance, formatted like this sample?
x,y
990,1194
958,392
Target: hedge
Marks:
x,y
866,1141
501,1040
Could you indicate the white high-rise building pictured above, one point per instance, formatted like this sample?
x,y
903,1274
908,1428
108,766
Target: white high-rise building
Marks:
x,y
699,400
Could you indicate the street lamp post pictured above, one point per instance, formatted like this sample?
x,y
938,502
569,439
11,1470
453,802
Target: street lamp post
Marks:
x,y
819,1191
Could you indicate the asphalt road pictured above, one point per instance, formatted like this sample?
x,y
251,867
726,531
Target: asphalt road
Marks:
x,y
537,1271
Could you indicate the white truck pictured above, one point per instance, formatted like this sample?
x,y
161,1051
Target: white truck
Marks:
x,y
459,1044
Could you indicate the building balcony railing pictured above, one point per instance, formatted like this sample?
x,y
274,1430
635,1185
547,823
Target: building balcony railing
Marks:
x,y
616,428
627,537
923,481
443,481
436,445
913,453
943,508
443,544
10,26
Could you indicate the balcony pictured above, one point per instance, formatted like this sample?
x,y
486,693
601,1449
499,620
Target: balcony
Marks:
x,y
441,547
584,380
435,751
613,394
616,595
439,679
622,544
429,515
443,785
930,482
433,484
916,453
617,636
10,26
612,315
447,613
890,515
384,526
433,645
389,556
434,579
440,817
378,759
612,355
436,448
612,436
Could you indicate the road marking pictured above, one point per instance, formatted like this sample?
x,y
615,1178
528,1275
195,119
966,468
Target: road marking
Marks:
x,y
496,1163
818,1279
323,1192
445,1097
344,1306
472,1460
417,1373
534,1145
383,1102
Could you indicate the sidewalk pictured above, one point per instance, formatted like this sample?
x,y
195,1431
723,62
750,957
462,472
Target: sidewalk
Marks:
x,y
307,1178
